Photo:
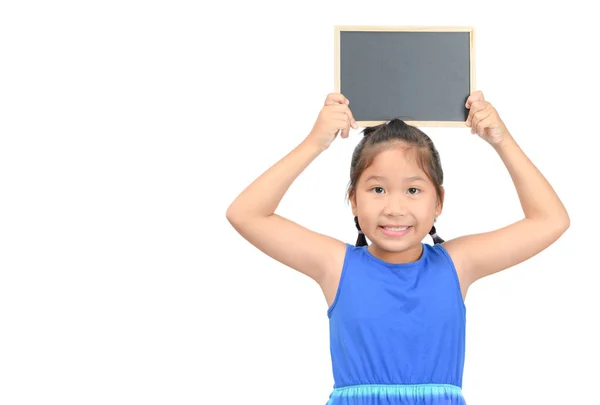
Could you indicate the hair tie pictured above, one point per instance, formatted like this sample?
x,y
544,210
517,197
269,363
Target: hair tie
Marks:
x,y
435,236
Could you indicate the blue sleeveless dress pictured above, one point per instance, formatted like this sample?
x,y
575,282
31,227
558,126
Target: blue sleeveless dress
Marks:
x,y
397,331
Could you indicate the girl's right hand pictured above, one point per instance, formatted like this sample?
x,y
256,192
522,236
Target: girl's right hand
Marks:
x,y
335,117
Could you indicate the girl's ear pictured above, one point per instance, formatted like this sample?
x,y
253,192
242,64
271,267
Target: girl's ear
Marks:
x,y
440,203
353,203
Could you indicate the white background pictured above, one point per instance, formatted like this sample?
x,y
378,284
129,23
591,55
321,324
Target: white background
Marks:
x,y
127,128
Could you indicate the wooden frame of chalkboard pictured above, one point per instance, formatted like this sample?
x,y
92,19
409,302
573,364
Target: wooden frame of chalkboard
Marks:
x,y
453,71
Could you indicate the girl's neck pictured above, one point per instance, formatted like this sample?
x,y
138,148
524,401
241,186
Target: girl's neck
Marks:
x,y
410,255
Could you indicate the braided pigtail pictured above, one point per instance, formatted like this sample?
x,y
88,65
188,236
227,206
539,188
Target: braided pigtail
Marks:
x,y
362,240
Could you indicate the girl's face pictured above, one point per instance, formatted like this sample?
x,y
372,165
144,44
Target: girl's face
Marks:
x,y
396,204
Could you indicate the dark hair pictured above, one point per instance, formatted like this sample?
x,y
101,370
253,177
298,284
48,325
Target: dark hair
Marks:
x,y
381,136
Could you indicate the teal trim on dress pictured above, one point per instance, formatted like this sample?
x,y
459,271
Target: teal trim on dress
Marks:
x,y
402,390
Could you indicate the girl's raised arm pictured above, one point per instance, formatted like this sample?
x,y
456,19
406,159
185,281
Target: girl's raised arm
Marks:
x,y
253,216
546,219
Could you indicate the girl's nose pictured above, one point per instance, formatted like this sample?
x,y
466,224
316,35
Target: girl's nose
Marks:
x,y
395,207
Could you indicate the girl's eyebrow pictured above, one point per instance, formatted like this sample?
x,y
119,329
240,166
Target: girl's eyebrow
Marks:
x,y
376,178
383,178
415,178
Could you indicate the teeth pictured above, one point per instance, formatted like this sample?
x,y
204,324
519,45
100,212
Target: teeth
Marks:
x,y
402,228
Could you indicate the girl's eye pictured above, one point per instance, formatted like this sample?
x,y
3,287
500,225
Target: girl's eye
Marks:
x,y
378,190
414,190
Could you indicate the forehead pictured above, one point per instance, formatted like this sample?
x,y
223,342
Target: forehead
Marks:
x,y
395,162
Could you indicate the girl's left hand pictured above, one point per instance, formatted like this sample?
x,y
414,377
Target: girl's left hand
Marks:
x,y
484,119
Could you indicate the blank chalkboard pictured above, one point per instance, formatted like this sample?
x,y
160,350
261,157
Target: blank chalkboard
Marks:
x,y
422,75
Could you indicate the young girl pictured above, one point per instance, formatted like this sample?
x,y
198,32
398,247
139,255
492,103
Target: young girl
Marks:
x,y
396,306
